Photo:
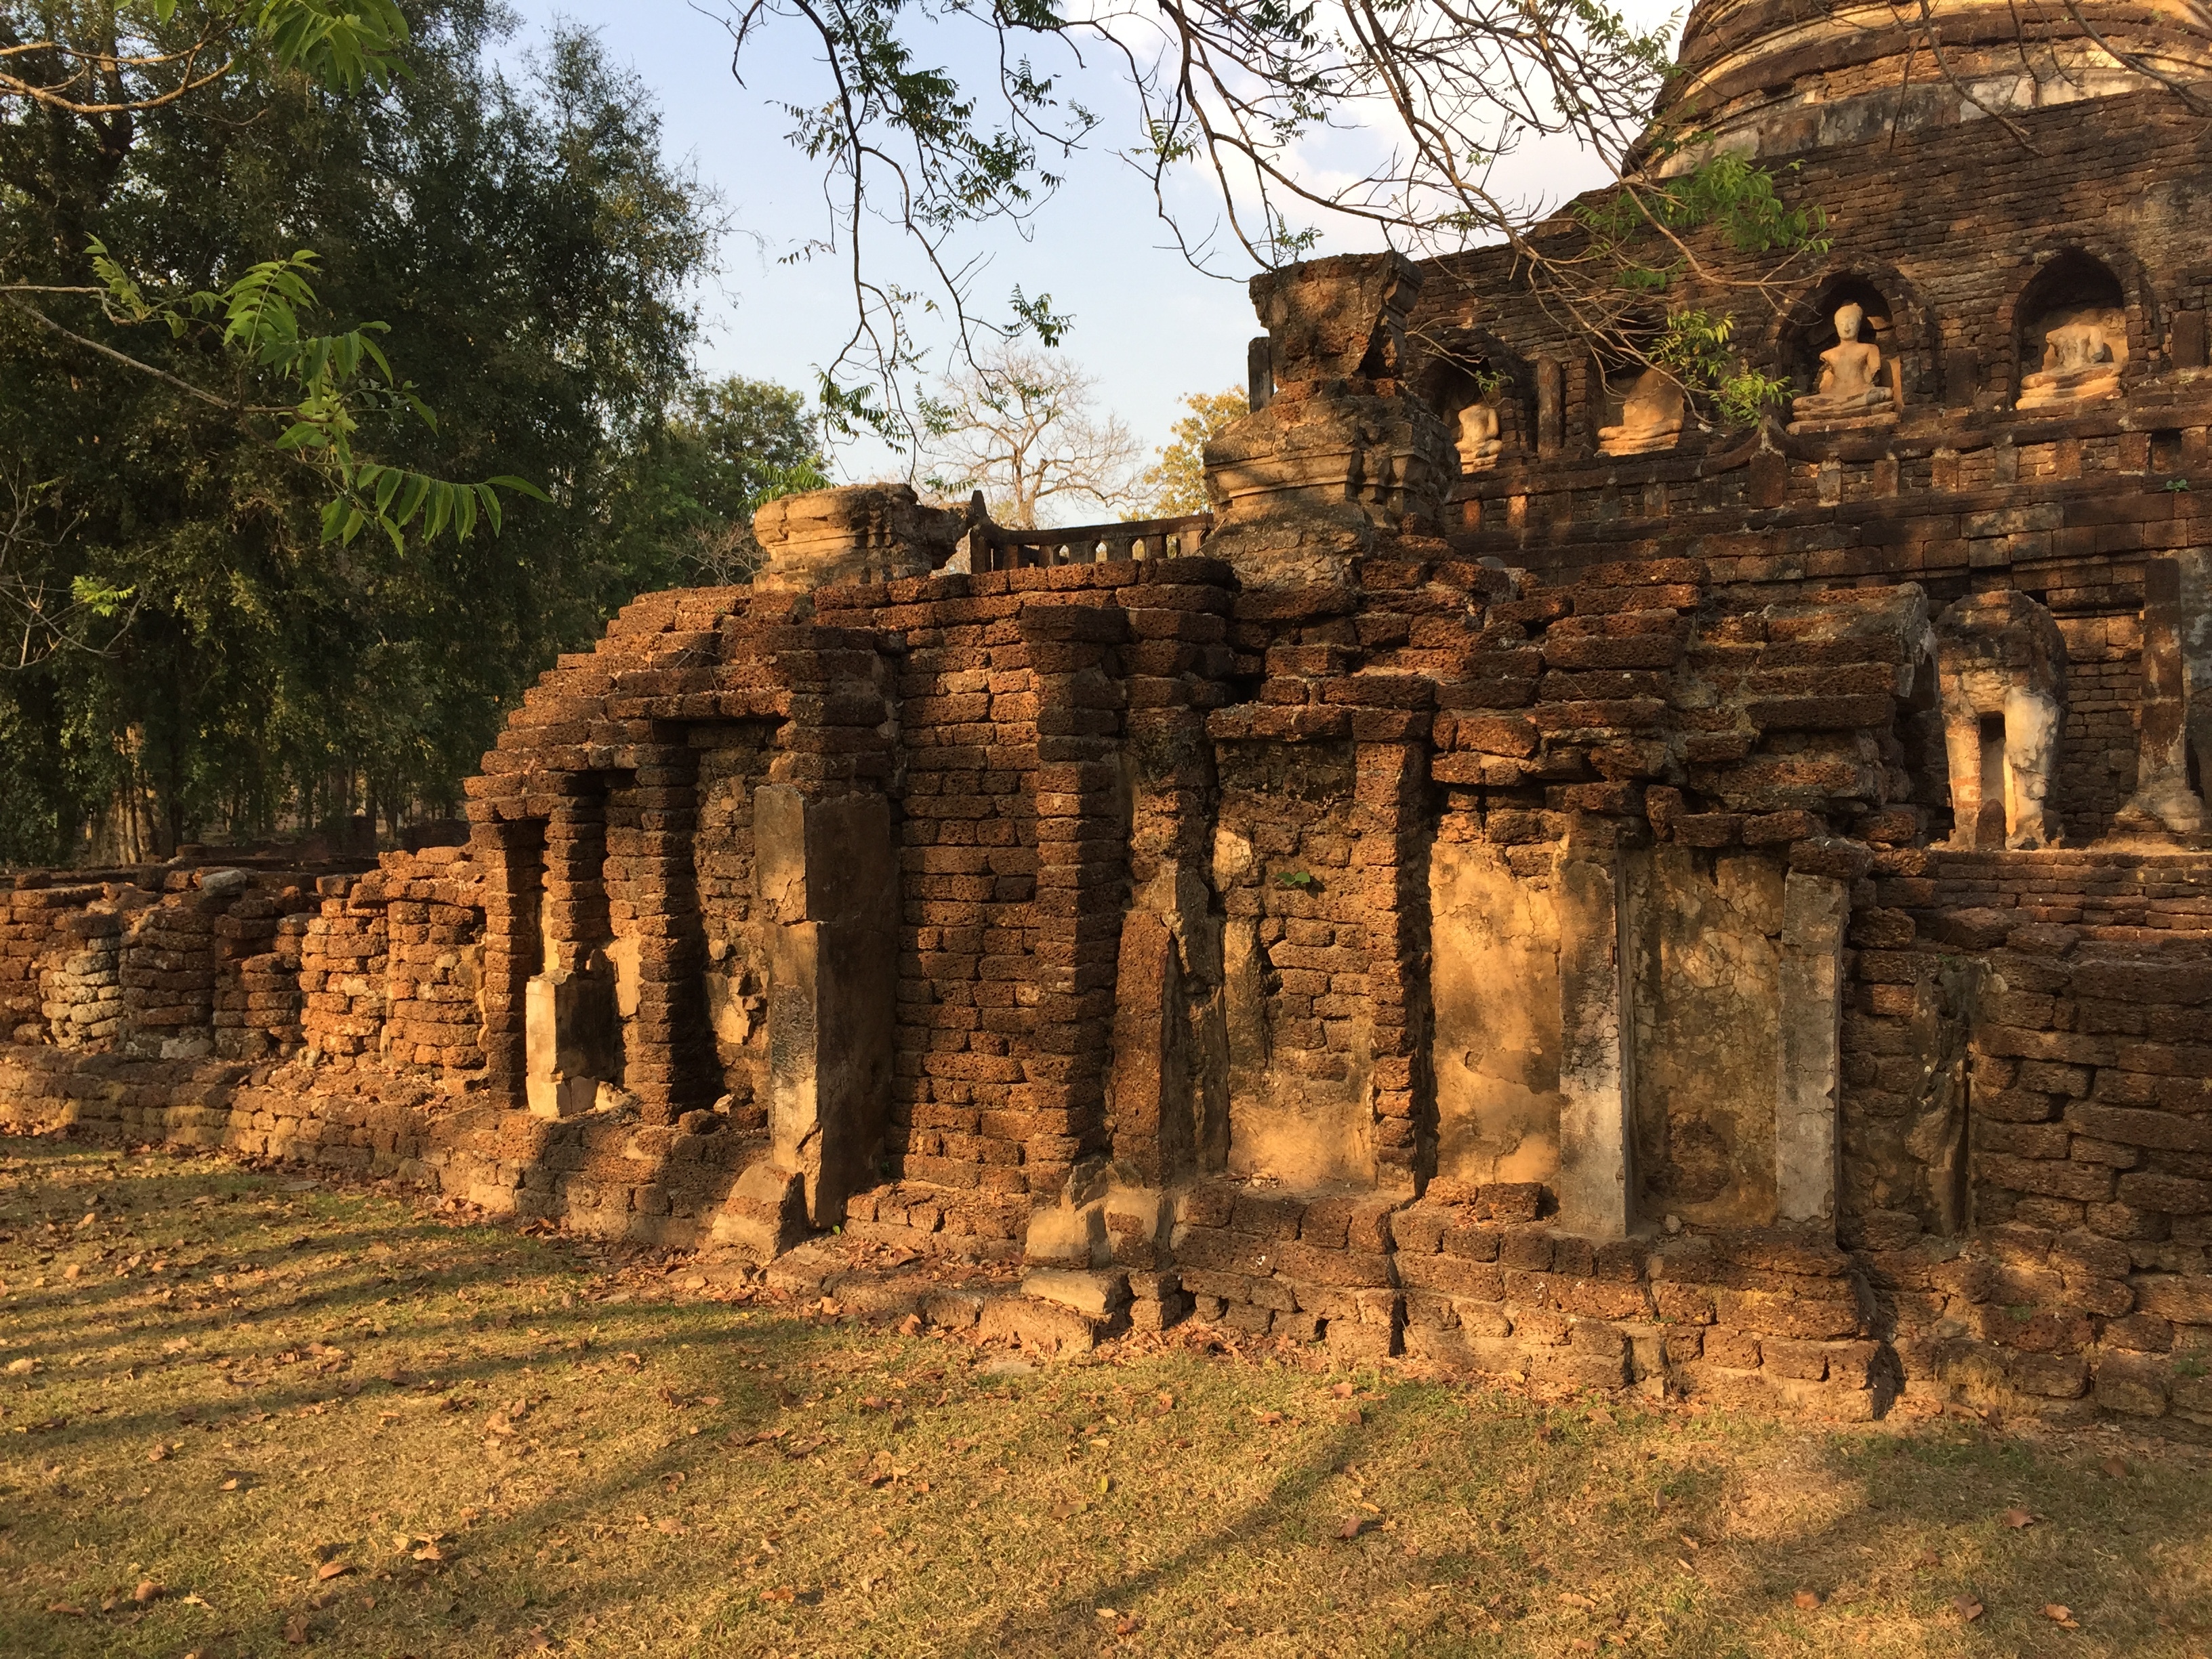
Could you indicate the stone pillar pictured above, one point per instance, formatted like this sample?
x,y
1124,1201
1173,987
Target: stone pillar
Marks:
x,y
1551,408
828,888
1816,911
659,952
1151,1081
1259,374
1596,1085
572,1036
1343,449
2163,803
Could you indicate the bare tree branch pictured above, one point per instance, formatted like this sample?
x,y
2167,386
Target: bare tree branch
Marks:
x,y
1021,425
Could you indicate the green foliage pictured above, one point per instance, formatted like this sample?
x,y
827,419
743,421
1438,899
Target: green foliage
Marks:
x,y
1728,193
685,509
342,50
260,312
1694,347
1177,480
534,255
1633,227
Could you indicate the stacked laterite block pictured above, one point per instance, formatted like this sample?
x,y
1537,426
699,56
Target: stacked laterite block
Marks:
x,y
343,982
2038,1020
433,959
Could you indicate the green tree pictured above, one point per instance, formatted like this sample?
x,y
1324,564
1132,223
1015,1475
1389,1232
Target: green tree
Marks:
x,y
685,510
534,255
1177,479
107,64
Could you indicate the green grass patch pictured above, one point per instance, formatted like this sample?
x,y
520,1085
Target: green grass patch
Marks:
x,y
294,1416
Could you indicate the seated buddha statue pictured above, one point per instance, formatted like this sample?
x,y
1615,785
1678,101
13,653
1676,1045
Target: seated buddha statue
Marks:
x,y
2078,362
1650,417
1478,443
1848,372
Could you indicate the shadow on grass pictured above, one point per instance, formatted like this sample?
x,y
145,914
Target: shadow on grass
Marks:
x,y
1575,1542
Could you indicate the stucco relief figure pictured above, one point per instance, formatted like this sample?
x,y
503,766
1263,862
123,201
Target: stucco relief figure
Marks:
x,y
2001,667
1850,371
1650,417
2082,359
1478,442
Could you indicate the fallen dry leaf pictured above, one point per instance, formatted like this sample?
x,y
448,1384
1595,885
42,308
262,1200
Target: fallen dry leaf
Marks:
x,y
147,1590
2017,1518
1353,1526
331,1570
2060,1615
295,1630
1967,1607
2116,1466
1807,1600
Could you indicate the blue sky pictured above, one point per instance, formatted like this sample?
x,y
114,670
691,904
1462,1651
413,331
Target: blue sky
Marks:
x,y
1147,325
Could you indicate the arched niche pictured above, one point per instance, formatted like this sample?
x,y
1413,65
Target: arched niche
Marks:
x,y
1465,367
1635,409
1896,321
2070,332
1812,330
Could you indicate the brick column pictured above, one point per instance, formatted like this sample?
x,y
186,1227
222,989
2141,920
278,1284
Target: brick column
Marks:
x,y
511,855
1082,874
652,910
1390,796
1169,1103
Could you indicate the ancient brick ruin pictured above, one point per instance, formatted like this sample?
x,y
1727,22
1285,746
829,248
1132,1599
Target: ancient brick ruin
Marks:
x,y
1552,885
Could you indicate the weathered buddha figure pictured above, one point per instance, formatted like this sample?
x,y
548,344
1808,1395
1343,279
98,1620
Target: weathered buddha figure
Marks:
x,y
1848,372
2078,362
1478,443
1650,417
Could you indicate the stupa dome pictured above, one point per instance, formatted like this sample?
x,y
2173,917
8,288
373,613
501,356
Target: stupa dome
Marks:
x,y
1777,77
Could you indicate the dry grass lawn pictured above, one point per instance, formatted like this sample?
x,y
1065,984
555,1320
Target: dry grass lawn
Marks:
x,y
243,1414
